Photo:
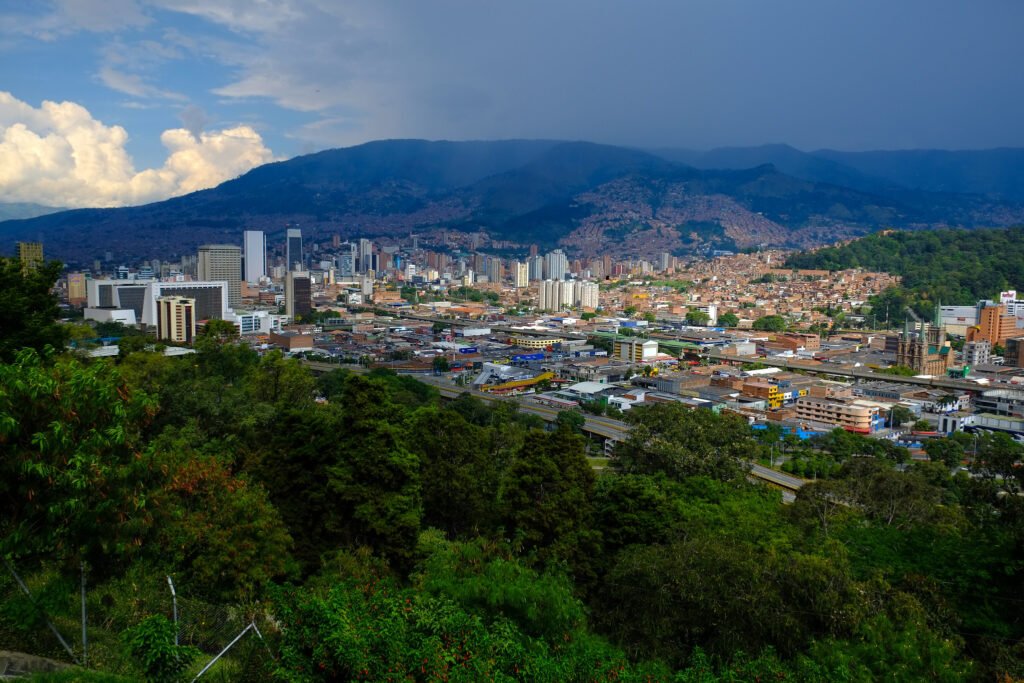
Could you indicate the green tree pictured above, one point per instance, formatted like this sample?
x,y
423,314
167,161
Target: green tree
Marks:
x,y
545,494
151,645
292,460
728,320
218,530
28,308
697,318
650,317
459,475
900,415
673,439
71,481
574,419
770,323
376,479
441,364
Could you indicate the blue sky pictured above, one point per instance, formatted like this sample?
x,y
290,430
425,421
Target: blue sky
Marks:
x,y
255,80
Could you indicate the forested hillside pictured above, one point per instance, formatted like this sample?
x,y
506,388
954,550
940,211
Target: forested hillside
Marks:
x,y
947,266
375,533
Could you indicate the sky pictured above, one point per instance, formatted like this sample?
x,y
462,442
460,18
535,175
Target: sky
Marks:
x,y
117,102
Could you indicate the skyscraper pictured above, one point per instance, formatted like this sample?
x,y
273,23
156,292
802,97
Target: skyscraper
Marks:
x,y
255,255
365,255
346,260
293,250
298,298
556,264
536,268
495,271
76,289
222,262
30,254
520,274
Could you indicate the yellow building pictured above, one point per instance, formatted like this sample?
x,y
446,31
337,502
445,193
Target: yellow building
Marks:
x,y
30,254
636,350
535,342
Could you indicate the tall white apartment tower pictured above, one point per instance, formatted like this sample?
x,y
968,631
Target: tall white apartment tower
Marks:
x,y
255,242
556,264
520,274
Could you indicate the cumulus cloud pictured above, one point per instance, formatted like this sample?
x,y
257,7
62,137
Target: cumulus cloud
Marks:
x,y
59,155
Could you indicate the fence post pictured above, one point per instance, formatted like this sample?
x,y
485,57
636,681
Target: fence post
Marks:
x,y
174,606
213,661
85,621
49,623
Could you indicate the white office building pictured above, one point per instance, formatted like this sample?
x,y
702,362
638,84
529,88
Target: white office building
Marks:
x,y
136,302
255,242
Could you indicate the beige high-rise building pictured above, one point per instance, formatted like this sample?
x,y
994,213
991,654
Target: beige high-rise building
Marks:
x,y
222,262
176,319
30,254
77,294
521,274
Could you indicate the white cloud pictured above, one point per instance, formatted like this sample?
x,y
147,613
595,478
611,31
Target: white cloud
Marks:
x,y
135,85
59,155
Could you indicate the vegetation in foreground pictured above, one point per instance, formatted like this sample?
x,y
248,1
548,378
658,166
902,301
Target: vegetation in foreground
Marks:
x,y
378,534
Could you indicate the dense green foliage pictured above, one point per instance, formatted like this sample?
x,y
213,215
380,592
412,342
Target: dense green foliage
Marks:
x,y
380,534
27,310
947,266
770,323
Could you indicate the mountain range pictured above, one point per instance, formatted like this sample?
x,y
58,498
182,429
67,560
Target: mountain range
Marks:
x,y
589,198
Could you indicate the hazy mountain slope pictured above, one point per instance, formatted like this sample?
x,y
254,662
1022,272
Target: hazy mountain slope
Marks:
x,y
16,210
997,173
787,159
520,191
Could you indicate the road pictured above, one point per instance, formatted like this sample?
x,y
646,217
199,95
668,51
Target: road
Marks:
x,y
859,373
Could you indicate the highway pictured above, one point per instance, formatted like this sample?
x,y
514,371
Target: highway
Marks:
x,y
859,373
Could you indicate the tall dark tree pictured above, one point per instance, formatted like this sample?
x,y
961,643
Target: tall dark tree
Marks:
x,y
459,476
375,479
28,308
545,497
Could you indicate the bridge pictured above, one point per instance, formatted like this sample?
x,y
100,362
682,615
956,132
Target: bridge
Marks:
x,y
858,373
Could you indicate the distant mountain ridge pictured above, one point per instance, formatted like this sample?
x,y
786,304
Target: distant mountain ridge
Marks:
x,y
17,210
586,197
996,173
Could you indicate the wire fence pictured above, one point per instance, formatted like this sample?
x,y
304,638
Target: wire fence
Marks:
x,y
55,614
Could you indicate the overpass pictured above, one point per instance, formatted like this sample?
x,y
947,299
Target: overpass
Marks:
x,y
858,373
603,427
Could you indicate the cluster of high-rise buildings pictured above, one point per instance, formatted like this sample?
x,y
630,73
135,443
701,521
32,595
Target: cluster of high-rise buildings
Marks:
x,y
557,294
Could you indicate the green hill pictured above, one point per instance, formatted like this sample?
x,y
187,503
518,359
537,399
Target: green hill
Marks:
x,y
948,266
